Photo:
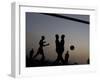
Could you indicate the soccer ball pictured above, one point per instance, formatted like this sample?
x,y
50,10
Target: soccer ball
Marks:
x,y
72,47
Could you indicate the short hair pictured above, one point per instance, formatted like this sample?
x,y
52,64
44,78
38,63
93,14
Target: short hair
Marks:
x,y
62,36
57,36
43,37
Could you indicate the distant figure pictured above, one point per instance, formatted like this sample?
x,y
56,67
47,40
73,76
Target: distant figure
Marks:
x,y
88,61
31,53
59,48
57,43
66,57
62,44
40,49
31,56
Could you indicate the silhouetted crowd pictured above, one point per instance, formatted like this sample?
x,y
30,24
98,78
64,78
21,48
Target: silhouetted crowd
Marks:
x,y
31,61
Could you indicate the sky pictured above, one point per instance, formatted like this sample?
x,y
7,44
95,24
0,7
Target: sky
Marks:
x,y
76,34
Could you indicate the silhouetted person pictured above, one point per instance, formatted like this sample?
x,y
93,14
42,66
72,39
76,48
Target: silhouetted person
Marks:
x,y
31,53
59,48
40,49
88,61
62,44
31,56
66,57
57,44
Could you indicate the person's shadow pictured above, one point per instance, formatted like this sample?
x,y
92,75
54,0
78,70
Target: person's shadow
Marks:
x,y
59,49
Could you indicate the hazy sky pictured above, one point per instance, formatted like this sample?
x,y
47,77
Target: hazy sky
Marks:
x,y
76,34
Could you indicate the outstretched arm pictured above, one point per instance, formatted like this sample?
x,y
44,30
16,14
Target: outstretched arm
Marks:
x,y
46,44
44,41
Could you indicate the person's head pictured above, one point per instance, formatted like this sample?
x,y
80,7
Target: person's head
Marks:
x,y
42,37
57,36
63,36
67,52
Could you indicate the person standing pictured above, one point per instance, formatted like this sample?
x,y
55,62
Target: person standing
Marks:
x,y
59,48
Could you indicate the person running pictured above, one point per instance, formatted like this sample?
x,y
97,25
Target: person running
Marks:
x,y
40,51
